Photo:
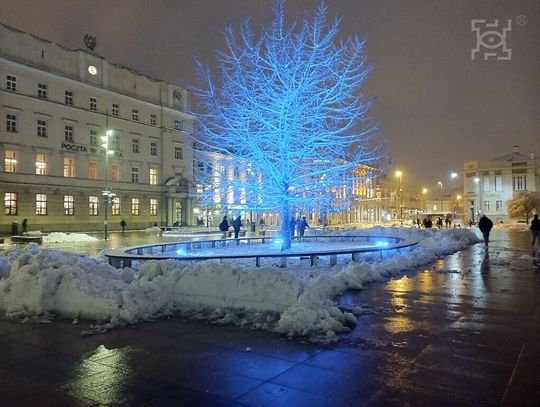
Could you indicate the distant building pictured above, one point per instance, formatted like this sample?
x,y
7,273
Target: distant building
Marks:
x,y
56,104
489,185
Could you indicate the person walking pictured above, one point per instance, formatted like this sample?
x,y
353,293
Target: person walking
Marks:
x,y
237,224
292,224
224,227
535,229
24,226
123,224
485,225
302,225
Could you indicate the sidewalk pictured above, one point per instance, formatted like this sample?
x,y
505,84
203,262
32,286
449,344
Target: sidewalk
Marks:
x,y
462,332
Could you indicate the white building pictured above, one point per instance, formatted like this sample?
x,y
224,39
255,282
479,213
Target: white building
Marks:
x,y
489,185
56,105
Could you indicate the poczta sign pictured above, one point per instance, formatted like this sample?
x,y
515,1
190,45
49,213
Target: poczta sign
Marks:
x,y
74,147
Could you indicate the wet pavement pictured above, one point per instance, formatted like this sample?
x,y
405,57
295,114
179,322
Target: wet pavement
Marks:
x,y
464,331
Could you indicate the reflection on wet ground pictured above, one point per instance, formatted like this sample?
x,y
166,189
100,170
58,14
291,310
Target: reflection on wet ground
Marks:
x,y
463,331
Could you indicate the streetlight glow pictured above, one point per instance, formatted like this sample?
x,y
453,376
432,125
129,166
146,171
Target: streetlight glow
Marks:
x,y
399,174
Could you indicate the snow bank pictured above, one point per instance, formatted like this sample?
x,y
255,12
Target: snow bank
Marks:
x,y
60,237
293,301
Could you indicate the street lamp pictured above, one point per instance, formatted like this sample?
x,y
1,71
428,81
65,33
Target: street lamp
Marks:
x,y
399,174
424,193
477,200
441,185
106,194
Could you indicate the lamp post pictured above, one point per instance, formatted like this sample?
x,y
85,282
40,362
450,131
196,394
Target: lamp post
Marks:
x,y
399,174
441,185
477,200
106,194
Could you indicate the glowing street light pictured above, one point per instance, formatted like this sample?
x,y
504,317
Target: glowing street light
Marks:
x,y
441,185
106,194
399,174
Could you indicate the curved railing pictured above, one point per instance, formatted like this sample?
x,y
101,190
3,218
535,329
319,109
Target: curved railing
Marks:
x,y
163,251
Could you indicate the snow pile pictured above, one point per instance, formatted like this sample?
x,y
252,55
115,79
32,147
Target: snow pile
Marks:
x,y
292,301
60,237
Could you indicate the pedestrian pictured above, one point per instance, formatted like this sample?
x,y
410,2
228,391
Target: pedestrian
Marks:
x,y
535,228
302,225
24,226
418,222
123,224
237,224
439,222
428,223
292,224
224,227
485,225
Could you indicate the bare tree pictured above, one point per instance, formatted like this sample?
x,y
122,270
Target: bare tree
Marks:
x,y
286,114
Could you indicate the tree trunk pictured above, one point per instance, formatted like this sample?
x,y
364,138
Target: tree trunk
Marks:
x,y
285,230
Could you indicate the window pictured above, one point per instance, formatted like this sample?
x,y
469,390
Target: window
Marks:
x,y
42,128
41,164
486,184
115,142
68,133
153,148
153,207
486,206
68,97
41,204
92,170
178,153
11,83
115,206
135,114
42,91
115,172
498,183
498,206
11,123
69,205
153,176
135,206
178,125
93,104
69,167
93,138
10,161
10,203
93,205
134,175
135,145
115,109
520,182
153,119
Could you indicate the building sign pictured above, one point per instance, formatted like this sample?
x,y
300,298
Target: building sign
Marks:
x,y
78,148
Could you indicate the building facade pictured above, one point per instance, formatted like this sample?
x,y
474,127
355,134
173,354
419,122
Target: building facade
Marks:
x,y
59,106
489,185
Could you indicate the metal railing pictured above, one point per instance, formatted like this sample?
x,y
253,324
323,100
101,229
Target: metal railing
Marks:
x,y
170,250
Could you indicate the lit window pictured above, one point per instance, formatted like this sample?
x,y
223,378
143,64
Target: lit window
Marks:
x,y
134,175
115,172
153,149
41,204
69,167
10,203
178,153
153,119
42,91
153,207
135,210
42,128
10,161
93,104
153,176
486,206
68,97
178,125
11,123
115,206
11,83
93,205
135,114
41,164
135,145
68,133
115,109
93,138
92,170
69,205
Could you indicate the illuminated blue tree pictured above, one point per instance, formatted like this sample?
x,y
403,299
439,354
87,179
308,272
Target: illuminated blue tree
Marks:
x,y
286,115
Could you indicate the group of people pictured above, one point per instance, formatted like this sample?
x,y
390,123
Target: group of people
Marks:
x,y
236,225
299,224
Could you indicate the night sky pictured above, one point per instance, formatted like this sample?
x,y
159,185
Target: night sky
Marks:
x,y
435,105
